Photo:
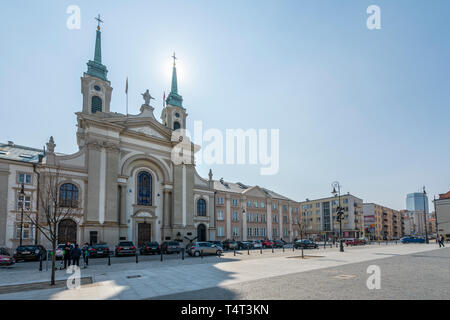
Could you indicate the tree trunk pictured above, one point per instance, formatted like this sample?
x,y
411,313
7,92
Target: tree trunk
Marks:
x,y
52,281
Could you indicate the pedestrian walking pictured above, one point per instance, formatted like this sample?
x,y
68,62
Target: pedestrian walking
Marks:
x,y
76,254
441,241
67,255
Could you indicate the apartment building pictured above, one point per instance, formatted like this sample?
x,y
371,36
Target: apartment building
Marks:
x,y
246,212
387,222
318,217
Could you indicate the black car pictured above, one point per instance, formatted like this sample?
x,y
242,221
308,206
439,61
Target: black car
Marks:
x,y
244,245
305,244
170,247
98,250
30,252
150,248
125,248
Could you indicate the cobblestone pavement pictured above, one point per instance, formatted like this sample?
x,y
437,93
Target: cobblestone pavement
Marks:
x,y
423,275
152,278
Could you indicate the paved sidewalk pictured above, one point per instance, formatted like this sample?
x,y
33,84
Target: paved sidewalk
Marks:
x,y
152,279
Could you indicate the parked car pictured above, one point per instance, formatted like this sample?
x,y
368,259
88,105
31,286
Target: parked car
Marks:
x,y
217,243
244,245
98,250
30,252
125,248
305,244
230,245
170,247
257,244
267,243
150,248
278,244
60,251
6,259
412,240
204,248
354,242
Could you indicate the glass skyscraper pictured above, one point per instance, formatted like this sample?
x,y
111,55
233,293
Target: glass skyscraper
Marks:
x,y
414,202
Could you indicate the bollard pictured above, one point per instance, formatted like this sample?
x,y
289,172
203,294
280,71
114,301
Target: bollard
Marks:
x,y
248,250
283,247
40,262
234,251
302,254
272,248
161,254
260,250
109,259
182,254
137,258
293,247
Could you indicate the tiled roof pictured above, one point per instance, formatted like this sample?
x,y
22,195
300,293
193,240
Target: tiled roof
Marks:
x,y
239,187
11,151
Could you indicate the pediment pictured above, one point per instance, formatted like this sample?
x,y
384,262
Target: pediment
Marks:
x,y
255,192
147,130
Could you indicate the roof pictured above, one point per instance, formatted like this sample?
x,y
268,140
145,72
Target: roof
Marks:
x,y
239,187
11,151
444,195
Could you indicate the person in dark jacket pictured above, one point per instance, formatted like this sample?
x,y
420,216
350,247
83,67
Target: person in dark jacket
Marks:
x,y
85,251
76,254
67,255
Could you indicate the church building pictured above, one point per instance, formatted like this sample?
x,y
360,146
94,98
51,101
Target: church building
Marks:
x,y
122,183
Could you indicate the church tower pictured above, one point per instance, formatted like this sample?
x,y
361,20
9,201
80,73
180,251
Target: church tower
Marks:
x,y
95,87
174,115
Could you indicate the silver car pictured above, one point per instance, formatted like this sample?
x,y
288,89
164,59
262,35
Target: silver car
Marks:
x,y
204,248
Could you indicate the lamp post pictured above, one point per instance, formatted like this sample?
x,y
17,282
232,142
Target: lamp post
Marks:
x,y
339,211
22,193
425,215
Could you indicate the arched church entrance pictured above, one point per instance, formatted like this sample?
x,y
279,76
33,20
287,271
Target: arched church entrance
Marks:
x,y
67,231
201,232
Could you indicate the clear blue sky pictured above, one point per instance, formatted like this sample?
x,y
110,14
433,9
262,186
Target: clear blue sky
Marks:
x,y
367,108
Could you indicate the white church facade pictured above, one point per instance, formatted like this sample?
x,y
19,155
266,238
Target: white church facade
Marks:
x,y
122,183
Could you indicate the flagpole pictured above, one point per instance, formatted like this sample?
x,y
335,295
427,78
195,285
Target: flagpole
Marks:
x,y
126,91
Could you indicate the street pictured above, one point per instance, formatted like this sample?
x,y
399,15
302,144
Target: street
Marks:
x,y
413,271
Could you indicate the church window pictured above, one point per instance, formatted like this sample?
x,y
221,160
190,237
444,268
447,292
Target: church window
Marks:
x,y
96,104
144,189
201,207
68,196
176,125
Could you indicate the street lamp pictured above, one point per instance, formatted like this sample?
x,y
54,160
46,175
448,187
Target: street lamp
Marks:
x,y
339,211
425,216
22,193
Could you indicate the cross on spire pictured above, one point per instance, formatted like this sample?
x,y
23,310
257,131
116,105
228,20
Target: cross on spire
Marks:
x,y
99,21
174,58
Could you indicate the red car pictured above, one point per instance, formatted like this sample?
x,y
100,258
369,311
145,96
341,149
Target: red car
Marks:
x,y
6,259
267,243
354,242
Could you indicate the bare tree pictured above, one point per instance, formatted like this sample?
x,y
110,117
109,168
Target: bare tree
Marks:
x,y
301,222
51,210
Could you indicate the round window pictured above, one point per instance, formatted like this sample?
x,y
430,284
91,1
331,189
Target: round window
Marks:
x,y
97,88
177,115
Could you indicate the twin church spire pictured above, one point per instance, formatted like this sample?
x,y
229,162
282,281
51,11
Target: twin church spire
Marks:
x,y
99,70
